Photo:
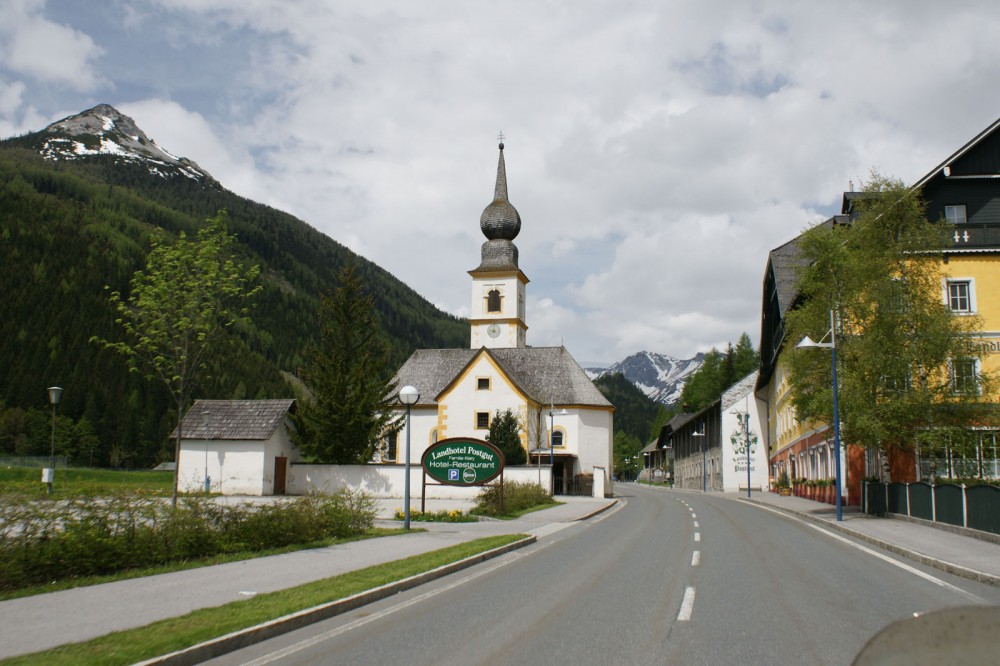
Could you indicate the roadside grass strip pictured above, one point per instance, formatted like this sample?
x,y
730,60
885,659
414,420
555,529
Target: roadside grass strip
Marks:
x,y
175,634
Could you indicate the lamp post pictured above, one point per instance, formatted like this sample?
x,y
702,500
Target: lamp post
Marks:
x,y
408,396
747,432
206,419
55,392
704,459
808,343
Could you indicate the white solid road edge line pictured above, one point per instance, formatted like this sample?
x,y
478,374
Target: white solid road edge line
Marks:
x,y
687,605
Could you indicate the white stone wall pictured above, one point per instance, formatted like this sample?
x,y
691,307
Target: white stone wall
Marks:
x,y
387,481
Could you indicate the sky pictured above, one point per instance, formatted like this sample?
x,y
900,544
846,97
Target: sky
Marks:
x,y
656,150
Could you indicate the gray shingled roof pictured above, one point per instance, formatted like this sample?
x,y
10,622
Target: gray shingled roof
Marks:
x,y
236,419
545,374
786,261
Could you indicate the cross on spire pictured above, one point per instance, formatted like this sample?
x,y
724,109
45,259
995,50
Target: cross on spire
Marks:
x,y
500,138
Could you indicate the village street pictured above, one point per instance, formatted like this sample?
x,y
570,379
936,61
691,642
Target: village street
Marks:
x,y
662,577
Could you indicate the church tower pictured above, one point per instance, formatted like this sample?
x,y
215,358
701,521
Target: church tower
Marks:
x,y
497,315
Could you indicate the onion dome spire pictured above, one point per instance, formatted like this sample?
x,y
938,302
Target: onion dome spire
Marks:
x,y
500,223
500,220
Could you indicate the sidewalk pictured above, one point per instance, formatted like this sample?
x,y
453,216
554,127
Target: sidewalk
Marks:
x,y
45,621
958,554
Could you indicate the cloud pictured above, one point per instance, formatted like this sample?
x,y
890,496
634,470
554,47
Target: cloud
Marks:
x,y
656,151
45,50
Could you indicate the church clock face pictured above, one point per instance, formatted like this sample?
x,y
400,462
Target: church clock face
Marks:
x,y
493,330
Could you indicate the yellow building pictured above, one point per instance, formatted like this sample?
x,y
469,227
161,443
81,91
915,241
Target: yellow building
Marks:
x,y
963,192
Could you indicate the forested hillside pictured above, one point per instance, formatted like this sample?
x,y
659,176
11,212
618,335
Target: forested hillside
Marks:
x,y
636,414
68,230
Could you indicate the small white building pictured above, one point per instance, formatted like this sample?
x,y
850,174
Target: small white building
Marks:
x,y
239,447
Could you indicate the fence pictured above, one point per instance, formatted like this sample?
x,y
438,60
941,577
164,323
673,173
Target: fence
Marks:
x,y
32,461
973,507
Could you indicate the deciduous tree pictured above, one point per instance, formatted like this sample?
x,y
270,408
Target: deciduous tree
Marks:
x,y
190,293
896,339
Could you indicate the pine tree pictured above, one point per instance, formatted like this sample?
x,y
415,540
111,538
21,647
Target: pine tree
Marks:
x,y
346,373
504,435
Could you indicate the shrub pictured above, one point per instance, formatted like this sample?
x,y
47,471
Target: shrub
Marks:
x,y
517,497
47,541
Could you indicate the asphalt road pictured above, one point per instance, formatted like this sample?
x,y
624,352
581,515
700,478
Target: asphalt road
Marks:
x,y
662,578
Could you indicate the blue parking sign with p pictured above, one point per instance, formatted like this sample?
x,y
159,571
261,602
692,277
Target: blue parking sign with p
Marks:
x,y
453,475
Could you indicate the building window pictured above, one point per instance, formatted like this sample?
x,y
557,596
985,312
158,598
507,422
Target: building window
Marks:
x,y
961,296
493,300
391,447
964,375
557,439
955,214
482,420
483,384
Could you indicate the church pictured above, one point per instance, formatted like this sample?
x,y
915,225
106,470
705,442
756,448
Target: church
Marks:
x,y
565,421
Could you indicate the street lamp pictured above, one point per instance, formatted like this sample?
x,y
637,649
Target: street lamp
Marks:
x,y
704,459
808,343
55,392
206,419
408,396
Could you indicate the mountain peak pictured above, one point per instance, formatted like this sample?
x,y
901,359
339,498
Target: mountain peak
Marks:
x,y
103,130
659,376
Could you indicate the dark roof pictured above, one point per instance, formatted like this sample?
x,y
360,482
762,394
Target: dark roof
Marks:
x,y
235,419
954,157
547,375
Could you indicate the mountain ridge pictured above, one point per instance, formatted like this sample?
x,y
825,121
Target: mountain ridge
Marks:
x,y
75,223
659,376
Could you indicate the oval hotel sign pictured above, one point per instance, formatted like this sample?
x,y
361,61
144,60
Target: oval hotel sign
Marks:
x,y
461,461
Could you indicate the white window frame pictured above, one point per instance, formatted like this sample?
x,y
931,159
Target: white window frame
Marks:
x,y
946,289
976,372
951,216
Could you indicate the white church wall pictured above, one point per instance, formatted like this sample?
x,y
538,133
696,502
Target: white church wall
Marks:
x,y
593,438
388,481
464,400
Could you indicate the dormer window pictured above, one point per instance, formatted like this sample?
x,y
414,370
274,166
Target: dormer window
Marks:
x,y
955,214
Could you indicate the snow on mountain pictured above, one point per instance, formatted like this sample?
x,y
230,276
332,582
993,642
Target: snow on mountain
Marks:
x,y
659,376
103,130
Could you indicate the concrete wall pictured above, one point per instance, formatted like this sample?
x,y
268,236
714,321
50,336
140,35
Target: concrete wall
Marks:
x,y
386,481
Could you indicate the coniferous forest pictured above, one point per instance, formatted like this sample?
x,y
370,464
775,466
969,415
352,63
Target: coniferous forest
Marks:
x,y
70,232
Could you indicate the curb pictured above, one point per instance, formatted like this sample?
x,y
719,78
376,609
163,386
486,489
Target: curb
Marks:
x,y
597,511
282,625
941,565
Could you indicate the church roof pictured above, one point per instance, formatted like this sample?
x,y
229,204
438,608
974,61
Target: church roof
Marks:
x,y
547,375
235,419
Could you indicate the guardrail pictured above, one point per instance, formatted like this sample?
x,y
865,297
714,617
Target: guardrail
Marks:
x,y
973,507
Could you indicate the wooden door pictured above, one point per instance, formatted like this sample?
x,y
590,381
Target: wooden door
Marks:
x,y
280,466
